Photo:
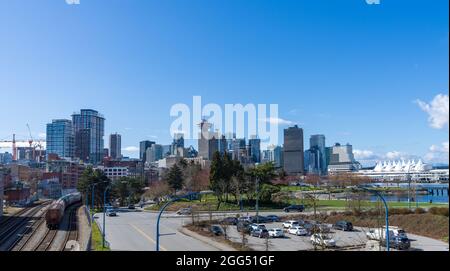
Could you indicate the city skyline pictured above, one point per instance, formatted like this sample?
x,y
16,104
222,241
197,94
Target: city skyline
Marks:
x,y
323,79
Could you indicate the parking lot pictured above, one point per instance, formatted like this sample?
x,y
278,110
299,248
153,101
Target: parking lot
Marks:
x,y
354,240
294,243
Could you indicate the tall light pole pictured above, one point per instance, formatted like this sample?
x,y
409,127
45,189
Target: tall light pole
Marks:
x,y
386,214
187,196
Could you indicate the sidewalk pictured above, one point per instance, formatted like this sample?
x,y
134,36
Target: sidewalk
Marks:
x,y
206,240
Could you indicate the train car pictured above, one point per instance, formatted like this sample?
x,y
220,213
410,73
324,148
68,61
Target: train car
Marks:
x,y
55,212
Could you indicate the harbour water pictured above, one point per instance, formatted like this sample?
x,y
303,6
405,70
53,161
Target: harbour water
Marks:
x,y
435,193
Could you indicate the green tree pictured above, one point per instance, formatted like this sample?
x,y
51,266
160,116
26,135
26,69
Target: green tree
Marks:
x,y
266,192
175,178
88,179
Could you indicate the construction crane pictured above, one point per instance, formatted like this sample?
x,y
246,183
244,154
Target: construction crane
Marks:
x,y
14,145
30,141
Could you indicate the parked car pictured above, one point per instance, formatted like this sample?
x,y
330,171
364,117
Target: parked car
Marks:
x,y
397,242
259,219
216,230
111,212
276,233
324,240
294,208
245,218
229,221
243,226
315,227
260,232
380,233
299,231
253,226
131,207
290,224
184,211
273,218
343,226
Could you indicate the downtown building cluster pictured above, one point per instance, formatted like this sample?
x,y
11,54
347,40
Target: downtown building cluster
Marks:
x,y
76,143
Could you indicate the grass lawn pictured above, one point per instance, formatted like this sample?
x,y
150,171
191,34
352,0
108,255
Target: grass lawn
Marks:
x,y
209,202
97,239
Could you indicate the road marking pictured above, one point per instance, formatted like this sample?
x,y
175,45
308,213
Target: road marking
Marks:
x,y
146,236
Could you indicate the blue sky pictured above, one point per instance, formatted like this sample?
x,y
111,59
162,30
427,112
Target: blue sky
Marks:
x,y
349,70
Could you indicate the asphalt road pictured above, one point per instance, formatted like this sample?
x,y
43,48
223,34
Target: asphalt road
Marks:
x,y
136,231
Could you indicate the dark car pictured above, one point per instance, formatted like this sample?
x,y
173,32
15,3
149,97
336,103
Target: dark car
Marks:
x,y
343,226
294,208
260,232
216,230
230,221
400,243
243,226
131,207
315,227
259,219
273,218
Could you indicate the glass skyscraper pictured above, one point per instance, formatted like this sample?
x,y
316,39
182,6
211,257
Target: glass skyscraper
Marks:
x,y
89,129
318,160
60,138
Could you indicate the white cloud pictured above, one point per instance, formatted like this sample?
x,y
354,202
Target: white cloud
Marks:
x,y
131,149
277,121
437,111
394,155
364,155
42,135
438,153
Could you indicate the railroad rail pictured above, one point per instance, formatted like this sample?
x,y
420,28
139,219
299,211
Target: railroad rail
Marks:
x,y
72,228
46,242
21,244
12,226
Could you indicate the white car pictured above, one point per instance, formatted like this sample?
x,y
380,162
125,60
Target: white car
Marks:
x,y
290,224
319,239
276,233
257,226
380,233
299,231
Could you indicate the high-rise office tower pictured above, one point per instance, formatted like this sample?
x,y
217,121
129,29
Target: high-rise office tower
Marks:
x,y
154,153
340,158
208,141
223,145
255,149
317,155
60,138
89,129
178,145
143,146
115,146
274,154
293,150
238,148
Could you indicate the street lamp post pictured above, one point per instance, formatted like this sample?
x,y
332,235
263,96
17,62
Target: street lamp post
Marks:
x,y
104,214
386,215
187,196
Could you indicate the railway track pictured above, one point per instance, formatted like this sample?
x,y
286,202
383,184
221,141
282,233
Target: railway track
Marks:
x,y
46,242
72,232
21,244
12,226
10,218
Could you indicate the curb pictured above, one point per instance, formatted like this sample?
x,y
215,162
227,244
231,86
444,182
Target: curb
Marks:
x,y
219,246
